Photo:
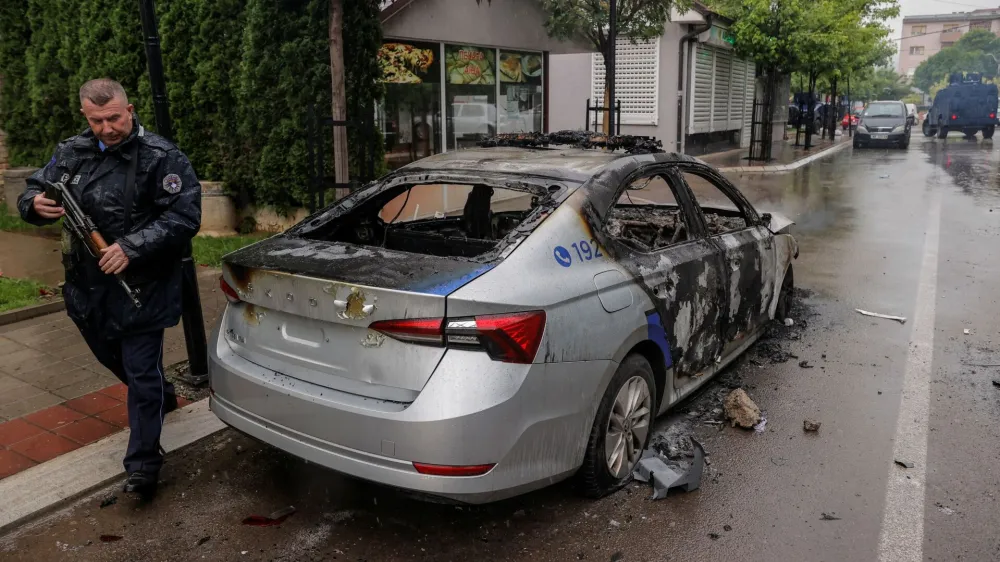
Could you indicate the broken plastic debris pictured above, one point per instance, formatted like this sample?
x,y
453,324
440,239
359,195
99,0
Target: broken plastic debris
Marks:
x,y
811,425
276,518
829,517
966,331
899,319
111,538
996,383
759,428
789,322
203,540
652,468
805,365
904,464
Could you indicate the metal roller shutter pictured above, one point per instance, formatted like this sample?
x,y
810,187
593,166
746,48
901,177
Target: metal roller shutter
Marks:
x,y
637,72
722,90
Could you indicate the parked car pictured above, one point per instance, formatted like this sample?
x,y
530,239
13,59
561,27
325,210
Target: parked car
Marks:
x,y
529,337
883,123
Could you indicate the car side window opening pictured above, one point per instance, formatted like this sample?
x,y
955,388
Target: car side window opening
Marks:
x,y
647,216
722,213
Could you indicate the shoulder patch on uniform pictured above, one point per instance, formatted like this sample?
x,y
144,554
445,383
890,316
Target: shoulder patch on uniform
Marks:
x,y
172,184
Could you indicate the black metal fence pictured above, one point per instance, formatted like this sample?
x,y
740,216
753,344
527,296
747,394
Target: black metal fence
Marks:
x,y
599,110
762,121
319,135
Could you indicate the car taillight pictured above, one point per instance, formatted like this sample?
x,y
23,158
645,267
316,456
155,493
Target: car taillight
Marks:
x,y
993,115
953,117
416,330
228,291
444,470
511,338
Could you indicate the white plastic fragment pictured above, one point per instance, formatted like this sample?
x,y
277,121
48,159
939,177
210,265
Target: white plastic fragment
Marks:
x,y
900,319
789,322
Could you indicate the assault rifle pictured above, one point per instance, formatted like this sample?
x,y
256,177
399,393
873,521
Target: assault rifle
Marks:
x,y
84,229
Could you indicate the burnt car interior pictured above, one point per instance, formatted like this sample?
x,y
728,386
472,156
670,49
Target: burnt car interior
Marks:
x,y
721,213
648,227
429,219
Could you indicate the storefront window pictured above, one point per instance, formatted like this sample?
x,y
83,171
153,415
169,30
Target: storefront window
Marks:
x,y
470,94
411,115
520,92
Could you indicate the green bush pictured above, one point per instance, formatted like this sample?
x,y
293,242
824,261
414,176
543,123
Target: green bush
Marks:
x,y
241,75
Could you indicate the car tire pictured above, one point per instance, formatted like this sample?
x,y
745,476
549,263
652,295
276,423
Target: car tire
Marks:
x,y
969,133
785,296
857,144
942,132
988,131
927,130
634,376
906,143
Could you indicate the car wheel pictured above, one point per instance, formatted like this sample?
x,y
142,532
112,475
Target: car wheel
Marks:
x,y
942,132
927,130
857,144
970,133
988,132
785,297
621,429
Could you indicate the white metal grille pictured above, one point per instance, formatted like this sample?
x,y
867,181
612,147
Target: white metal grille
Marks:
x,y
636,80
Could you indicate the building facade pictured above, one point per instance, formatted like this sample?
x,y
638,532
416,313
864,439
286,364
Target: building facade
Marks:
x,y
456,71
924,36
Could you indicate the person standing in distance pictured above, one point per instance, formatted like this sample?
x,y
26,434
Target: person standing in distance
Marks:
x,y
147,223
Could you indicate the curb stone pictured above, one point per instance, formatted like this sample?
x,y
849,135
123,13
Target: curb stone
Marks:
x,y
785,167
33,311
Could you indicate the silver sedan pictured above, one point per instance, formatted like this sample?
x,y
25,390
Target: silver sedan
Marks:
x,y
487,322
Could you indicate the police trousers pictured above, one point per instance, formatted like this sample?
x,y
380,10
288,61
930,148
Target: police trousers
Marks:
x,y
137,361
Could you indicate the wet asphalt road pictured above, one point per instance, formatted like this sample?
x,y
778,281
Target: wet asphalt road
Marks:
x,y
863,223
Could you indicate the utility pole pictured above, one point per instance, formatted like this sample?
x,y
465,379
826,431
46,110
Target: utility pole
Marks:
x,y
338,98
610,60
191,314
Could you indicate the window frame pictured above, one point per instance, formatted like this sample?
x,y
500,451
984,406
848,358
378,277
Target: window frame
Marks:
x,y
919,29
750,215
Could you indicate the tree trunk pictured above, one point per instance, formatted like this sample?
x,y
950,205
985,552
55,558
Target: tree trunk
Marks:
x,y
835,114
338,96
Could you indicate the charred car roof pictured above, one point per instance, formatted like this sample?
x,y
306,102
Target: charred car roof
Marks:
x,y
561,163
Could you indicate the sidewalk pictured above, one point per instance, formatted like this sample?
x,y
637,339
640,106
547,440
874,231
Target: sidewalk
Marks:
x,y
785,156
55,397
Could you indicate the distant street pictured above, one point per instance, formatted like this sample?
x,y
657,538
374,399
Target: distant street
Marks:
x,y
912,233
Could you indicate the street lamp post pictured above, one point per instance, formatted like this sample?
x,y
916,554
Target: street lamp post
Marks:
x,y
610,60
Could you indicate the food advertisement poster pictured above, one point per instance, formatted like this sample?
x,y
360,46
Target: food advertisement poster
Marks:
x,y
409,62
520,68
470,65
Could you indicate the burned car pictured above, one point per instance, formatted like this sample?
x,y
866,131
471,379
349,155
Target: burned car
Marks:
x,y
490,321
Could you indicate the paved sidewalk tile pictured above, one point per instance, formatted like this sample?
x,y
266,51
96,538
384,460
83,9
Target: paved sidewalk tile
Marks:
x,y
12,463
54,417
117,416
118,392
17,430
87,430
29,405
44,447
93,403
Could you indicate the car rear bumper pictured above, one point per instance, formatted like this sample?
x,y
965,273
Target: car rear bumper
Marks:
x,y
531,421
891,138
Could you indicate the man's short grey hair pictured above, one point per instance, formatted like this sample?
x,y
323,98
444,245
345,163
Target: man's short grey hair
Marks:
x,y
102,90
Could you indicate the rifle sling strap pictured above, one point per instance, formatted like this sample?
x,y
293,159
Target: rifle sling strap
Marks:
x,y
129,194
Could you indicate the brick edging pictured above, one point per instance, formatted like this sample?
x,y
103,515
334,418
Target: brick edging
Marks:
x,y
32,311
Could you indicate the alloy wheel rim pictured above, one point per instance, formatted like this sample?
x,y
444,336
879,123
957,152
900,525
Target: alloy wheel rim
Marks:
x,y
628,426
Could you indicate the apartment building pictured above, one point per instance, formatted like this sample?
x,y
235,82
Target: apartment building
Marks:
x,y
923,36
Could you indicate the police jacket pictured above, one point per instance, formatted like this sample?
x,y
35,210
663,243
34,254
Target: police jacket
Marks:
x,y
165,215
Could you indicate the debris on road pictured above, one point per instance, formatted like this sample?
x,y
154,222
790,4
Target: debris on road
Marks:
x,y
811,425
203,540
944,510
108,501
741,410
276,518
829,517
905,464
759,428
789,322
996,383
899,319
651,468
967,331
111,538
805,365
714,536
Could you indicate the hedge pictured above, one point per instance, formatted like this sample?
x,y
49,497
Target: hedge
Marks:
x,y
240,74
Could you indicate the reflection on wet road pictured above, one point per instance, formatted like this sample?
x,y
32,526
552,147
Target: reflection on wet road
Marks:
x,y
863,223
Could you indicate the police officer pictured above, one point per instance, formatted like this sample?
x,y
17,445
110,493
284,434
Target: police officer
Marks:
x,y
145,199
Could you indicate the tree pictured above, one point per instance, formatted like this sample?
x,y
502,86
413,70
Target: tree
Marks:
x,y
969,54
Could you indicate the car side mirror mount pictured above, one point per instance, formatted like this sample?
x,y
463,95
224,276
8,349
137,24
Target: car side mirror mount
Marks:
x,y
765,219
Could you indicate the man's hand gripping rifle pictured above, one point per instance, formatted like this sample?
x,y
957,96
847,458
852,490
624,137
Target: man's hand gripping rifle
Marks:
x,y
84,229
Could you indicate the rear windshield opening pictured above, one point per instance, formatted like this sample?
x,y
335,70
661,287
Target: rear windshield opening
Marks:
x,y
436,219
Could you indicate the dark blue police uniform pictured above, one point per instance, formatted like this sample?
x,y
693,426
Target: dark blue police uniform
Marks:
x,y
165,215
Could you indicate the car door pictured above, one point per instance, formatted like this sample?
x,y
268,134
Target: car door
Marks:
x,y
734,227
679,271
